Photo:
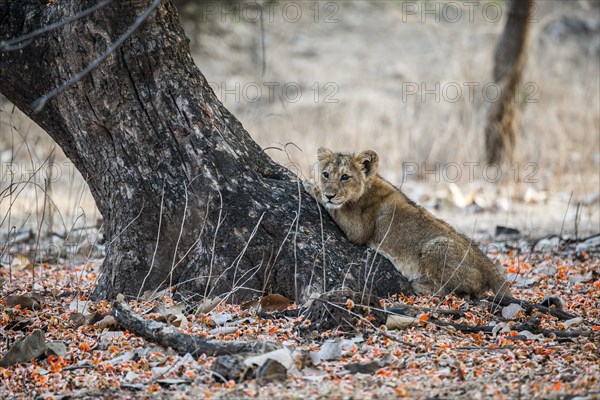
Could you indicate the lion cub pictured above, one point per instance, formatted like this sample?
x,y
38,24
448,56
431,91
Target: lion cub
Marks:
x,y
433,256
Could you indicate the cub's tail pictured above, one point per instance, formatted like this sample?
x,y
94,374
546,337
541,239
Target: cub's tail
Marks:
x,y
499,285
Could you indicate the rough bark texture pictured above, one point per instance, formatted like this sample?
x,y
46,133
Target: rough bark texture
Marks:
x,y
187,197
509,61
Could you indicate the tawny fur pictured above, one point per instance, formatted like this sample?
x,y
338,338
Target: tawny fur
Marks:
x,y
433,256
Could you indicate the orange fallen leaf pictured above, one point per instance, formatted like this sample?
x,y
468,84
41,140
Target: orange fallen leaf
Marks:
x,y
190,374
113,349
401,392
84,346
513,269
153,388
230,384
349,304
385,372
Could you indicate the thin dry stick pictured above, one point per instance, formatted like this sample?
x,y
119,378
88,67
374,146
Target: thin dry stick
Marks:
x,y
37,243
577,220
270,268
377,251
24,185
87,258
126,226
33,175
49,174
237,287
238,259
160,217
214,243
296,243
179,237
565,216
40,220
80,275
323,247
192,247
262,43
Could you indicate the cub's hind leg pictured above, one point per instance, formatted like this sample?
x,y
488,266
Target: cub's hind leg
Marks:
x,y
446,265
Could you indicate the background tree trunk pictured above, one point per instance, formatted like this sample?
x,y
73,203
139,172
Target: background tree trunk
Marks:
x,y
187,197
509,61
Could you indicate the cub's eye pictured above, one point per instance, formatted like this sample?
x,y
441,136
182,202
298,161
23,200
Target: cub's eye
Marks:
x,y
325,174
344,178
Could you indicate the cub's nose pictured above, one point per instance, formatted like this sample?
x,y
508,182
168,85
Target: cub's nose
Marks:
x,y
330,196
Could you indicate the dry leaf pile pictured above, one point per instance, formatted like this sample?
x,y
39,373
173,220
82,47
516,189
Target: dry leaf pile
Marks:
x,y
56,343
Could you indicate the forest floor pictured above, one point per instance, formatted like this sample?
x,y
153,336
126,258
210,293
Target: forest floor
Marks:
x,y
522,354
364,60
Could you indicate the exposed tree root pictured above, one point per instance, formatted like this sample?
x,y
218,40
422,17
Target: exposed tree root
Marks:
x,y
531,327
529,307
169,336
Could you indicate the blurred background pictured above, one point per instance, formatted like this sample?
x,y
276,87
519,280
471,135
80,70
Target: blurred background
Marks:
x,y
411,80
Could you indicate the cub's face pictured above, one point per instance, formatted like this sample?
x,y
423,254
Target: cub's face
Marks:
x,y
345,177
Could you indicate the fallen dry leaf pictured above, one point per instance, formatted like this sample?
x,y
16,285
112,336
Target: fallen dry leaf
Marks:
x,y
23,301
274,302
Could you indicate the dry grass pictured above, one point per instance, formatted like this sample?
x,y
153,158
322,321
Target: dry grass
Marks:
x,y
370,53
369,56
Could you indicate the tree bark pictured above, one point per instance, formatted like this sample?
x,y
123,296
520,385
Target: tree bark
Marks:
x,y
187,198
509,62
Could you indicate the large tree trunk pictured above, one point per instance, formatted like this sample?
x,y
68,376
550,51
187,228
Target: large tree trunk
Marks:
x,y
509,61
188,199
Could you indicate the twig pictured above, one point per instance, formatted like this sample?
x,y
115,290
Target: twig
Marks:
x,y
75,367
565,216
160,218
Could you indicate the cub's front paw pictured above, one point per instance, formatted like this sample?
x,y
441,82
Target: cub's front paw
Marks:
x,y
422,285
310,188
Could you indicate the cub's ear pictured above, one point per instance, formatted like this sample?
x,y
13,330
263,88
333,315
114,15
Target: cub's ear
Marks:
x,y
324,154
369,161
